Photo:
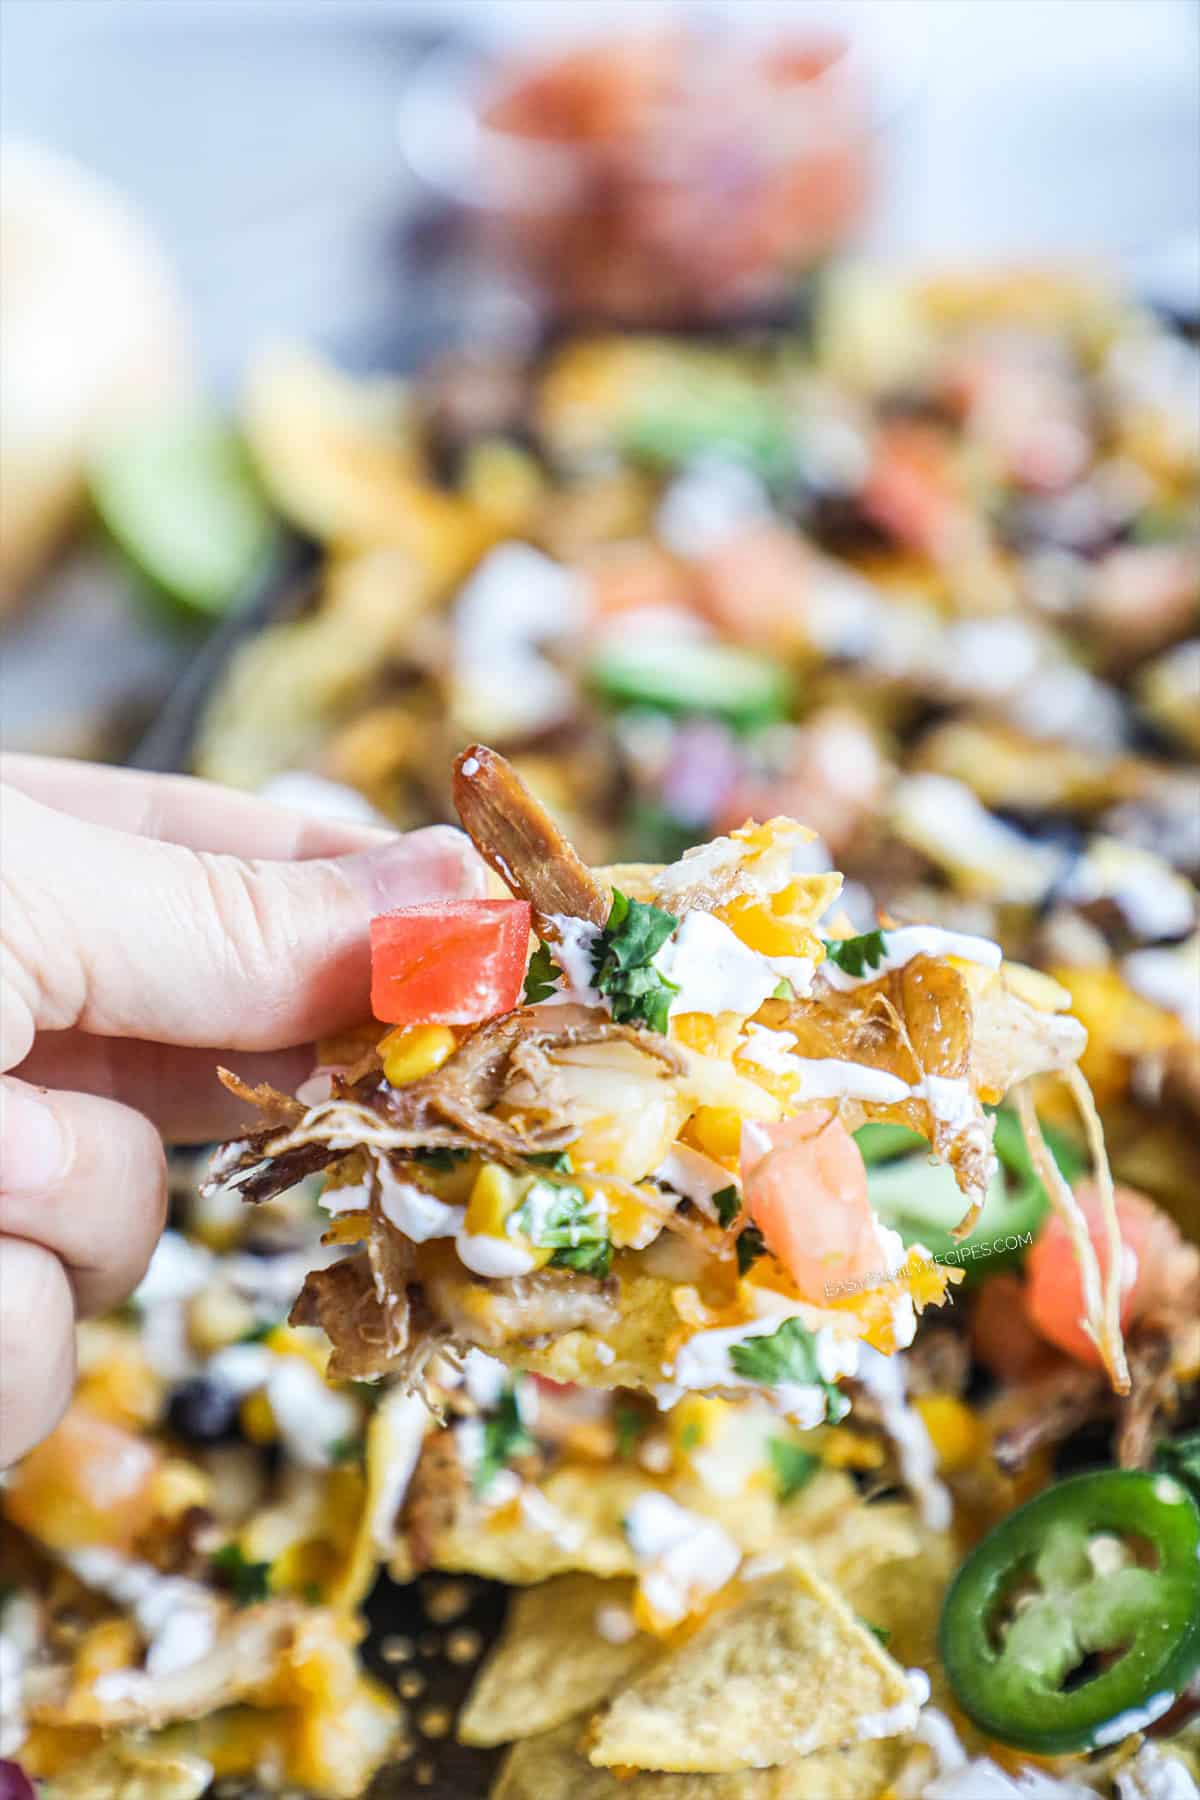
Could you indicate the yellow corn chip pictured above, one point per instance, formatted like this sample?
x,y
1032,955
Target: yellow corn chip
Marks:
x,y
551,1768
551,1661
785,1672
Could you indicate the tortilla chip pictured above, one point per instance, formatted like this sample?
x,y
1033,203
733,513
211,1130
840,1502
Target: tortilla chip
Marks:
x,y
551,1662
788,1670
847,1548
903,1598
551,1768
126,1770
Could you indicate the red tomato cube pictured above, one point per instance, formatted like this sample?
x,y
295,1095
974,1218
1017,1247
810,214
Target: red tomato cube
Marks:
x,y
449,963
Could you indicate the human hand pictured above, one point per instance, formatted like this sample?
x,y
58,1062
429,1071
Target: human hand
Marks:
x,y
153,926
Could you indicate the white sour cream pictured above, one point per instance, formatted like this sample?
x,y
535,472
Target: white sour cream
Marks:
x,y
909,941
703,1363
574,954
713,970
1169,978
496,1257
418,1214
695,1176
177,1617
682,1557
883,1377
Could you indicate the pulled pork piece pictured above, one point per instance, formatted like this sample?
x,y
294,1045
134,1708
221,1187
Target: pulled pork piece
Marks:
x,y
1013,1040
491,1313
915,1023
369,1333
1042,1412
1151,1391
277,1108
515,834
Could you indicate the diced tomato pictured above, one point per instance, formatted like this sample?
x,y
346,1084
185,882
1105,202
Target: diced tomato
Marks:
x,y
449,963
1153,1253
806,1190
911,491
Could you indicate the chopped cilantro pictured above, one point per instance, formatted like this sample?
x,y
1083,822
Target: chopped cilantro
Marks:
x,y
557,1160
1180,1457
788,1355
311,1592
623,963
792,1465
586,1259
248,1582
258,1334
855,955
541,977
879,1632
630,1426
691,1435
559,1216
440,1159
750,1246
727,1203
346,1450
504,1436
783,990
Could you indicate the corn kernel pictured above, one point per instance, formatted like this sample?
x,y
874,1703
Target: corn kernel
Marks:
x,y
955,1433
494,1195
258,1421
693,1422
630,1224
415,1050
717,1130
113,1644
178,1486
217,1317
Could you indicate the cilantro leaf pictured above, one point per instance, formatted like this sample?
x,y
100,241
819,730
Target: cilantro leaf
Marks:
x,y
541,977
855,955
750,1246
557,1160
630,1425
727,1203
440,1160
258,1334
783,990
623,963
504,1436
880,1633
788,1355
559,1216
691,1435
792,1465
248,1582
345,1450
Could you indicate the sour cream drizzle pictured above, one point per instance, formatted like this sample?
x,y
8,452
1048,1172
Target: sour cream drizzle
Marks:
x,y
909,941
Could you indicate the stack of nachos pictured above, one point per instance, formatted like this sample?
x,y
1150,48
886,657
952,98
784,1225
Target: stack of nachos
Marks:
x,y
724,1278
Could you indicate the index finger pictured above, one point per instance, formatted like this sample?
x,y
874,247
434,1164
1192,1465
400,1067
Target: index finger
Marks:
x,y
179,809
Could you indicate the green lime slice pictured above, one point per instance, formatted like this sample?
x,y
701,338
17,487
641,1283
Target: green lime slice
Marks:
x,y
179,499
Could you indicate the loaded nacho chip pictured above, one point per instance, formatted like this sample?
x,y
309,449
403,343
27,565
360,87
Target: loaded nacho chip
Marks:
x,y
646,1174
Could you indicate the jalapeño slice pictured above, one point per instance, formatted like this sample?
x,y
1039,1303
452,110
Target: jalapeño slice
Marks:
x,y
1077,1620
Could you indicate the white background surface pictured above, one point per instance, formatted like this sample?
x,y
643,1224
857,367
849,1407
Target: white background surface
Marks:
x,y
260,134
260,138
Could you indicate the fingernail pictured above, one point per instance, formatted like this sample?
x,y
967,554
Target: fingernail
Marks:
x,y
438,863
33,1148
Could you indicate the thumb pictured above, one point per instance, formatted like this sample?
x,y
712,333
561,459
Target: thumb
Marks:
x,y
128,937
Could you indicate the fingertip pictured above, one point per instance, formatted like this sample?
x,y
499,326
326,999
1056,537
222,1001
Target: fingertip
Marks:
x,y
439,862
37,1345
